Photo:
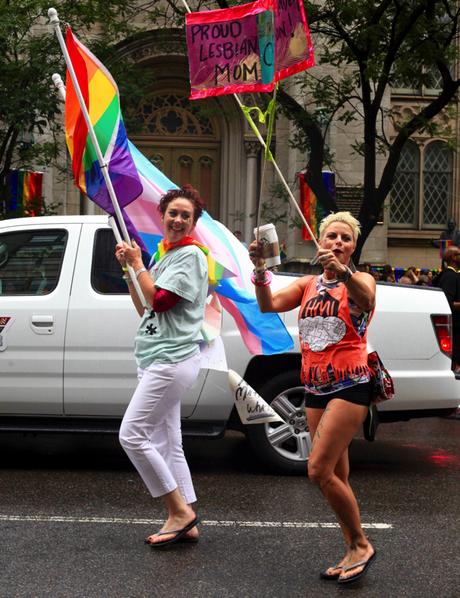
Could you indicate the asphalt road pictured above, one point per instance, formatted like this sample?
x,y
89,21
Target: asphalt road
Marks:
x,y
73,515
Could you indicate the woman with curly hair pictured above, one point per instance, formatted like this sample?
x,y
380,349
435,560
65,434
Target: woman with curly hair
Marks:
x,y
168,359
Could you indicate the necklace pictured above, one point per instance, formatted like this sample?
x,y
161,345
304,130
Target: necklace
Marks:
x,y
327,282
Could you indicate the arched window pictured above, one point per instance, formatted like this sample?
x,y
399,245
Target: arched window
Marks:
x,y
437,183
406,188
183,140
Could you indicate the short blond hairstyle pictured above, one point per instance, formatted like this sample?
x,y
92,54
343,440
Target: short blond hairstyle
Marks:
x,y
345,217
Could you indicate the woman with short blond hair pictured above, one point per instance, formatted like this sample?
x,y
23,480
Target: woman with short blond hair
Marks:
x,y
335,310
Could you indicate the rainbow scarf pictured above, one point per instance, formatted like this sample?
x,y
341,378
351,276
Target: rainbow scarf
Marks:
x,y
215,270
101,97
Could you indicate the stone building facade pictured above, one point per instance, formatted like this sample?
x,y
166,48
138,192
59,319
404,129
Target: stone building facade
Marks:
x,y
217,152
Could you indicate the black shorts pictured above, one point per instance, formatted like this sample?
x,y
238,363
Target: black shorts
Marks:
x,y
359,394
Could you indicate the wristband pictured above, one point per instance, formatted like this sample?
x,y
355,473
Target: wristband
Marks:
x,y
124,268
262,283
259,272
346,276
139,272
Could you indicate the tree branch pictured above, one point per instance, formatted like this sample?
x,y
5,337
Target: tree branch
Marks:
x,y
415,124
308,125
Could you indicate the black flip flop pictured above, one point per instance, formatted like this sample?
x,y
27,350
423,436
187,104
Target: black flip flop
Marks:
x,y
178,536
334,577
357,575
183,540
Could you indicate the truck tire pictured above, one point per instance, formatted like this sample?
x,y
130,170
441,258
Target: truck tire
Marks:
x,y
282,447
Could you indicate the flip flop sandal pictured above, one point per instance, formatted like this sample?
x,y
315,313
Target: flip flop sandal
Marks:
x,y
331,577
183,540
356,576
179,536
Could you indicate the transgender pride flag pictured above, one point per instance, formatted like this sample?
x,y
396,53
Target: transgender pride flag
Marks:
x,y
262,333
132,176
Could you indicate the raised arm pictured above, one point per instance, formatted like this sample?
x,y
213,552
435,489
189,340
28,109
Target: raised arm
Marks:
x,y
283,300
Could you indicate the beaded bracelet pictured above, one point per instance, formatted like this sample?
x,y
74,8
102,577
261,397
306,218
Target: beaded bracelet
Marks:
x,y
268,277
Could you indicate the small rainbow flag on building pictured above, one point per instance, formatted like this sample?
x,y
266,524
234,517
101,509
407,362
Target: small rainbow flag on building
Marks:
x,y
311,207
25,189
102,99
443,245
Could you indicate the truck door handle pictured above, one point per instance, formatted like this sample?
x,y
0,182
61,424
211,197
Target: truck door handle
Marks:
x,y
42,324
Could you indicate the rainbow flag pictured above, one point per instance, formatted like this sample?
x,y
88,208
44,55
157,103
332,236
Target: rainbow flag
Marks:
x,y
443,245
101,97
25,192
311,207
262,333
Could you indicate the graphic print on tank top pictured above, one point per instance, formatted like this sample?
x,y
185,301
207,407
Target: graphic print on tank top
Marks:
x,y
319,323
332,339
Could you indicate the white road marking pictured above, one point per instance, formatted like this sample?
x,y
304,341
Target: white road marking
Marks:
x,y
206,522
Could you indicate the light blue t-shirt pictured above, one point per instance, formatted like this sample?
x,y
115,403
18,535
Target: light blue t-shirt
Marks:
x,y
173,335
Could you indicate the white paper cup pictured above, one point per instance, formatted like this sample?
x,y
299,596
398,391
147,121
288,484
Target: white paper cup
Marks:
x,y
269,240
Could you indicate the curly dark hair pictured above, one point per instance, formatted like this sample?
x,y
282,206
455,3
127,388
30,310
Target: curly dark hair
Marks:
x,y
187,192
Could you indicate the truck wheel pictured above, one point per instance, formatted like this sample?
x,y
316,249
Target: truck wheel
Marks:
x,y
282,446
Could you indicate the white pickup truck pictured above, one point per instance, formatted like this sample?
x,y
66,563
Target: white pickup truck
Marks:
x,y
66,346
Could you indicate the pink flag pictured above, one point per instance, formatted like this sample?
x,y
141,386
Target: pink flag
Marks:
x,y
293,49
247,48
231,50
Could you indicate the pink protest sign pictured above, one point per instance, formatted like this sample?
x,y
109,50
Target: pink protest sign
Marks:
x,y
231,50
294,52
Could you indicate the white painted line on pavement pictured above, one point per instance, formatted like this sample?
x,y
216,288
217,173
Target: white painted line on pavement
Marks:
x,y
207,522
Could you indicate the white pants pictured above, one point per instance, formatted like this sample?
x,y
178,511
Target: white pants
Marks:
x,y
150,432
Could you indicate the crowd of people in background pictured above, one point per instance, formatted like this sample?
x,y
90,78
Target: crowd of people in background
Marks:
x,y
411,275
447,277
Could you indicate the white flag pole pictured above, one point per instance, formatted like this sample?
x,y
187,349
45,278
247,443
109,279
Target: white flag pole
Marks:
x,y
54,20
59,84
278,171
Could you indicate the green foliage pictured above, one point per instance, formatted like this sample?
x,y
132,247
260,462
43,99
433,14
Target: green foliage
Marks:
x,y
365,48
373,46
30,54
276,208
36,207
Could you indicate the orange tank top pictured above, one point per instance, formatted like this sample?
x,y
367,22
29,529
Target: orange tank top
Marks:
x,y
332,349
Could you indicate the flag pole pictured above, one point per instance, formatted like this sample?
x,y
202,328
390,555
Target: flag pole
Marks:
x,y
132,274
54,20
60,87
281,177
277,169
